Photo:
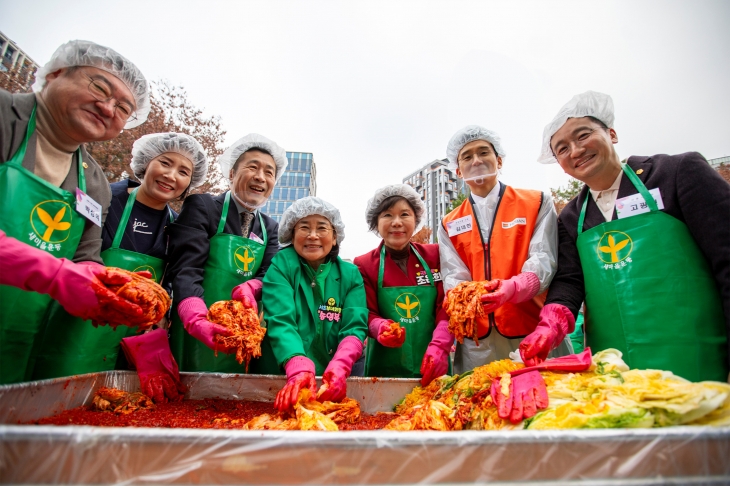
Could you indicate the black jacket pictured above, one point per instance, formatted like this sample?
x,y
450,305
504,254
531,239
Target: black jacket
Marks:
x,y
190,241
692,192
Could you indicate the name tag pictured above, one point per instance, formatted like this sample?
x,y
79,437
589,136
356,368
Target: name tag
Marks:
x,y
634,204
459,226
88,208
514,222
255,238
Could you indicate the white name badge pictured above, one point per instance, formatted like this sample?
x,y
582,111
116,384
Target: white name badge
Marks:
x,y
459,226
514,223
255,238
634,204
88,208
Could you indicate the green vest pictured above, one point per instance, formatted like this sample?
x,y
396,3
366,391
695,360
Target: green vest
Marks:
x,y
650,294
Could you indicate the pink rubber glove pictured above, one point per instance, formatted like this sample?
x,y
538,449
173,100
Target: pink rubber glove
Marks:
x,y
299,375
436,359
194,315
248,292
79,288
527,394
158,373
556,322
334,379
519,288
380,329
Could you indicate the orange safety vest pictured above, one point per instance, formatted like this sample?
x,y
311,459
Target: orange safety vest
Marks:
x,y
504,255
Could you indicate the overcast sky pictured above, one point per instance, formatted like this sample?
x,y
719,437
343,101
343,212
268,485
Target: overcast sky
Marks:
x,y
375,89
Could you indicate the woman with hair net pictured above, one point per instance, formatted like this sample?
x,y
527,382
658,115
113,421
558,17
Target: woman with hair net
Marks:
x,y
168,166
403,285
504,235
314,305
54,197
220,248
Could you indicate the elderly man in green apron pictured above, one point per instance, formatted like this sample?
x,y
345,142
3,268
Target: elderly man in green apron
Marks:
x,y
54,197
220,248
646,243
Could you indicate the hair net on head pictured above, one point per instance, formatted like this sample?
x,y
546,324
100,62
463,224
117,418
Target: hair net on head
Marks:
x,y
86,53
308,206
402,190
468,134
252,141
590,103
153,145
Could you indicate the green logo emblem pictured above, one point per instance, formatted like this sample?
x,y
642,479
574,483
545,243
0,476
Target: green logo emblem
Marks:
x,y
614,246
51,220
407,305
244,258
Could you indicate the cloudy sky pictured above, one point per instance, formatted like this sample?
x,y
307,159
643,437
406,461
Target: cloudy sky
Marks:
x,y
375,89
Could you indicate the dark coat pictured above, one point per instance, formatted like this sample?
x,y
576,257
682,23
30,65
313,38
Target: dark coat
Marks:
x,y
692,192
15,110
190,241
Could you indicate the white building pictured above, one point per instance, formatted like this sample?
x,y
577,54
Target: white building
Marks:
x,y
438,187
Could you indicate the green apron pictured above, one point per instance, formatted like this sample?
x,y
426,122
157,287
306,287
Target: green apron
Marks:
x,y
72,346
413,307
650,294
232,260
43,216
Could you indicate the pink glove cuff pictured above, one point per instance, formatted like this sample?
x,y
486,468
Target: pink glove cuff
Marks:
x,y
250,288
298,364
375,324
442,338
192,309
527,285
559,319
350,347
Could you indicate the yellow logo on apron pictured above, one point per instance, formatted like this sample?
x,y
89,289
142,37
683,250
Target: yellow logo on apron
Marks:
x,y
614,247
244,259
408,306
147,268
51,223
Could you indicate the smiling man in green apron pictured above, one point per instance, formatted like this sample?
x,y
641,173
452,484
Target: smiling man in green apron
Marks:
x,y
53,196
219,243
646,244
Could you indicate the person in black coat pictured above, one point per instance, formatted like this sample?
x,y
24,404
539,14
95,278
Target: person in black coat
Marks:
x,y
697,200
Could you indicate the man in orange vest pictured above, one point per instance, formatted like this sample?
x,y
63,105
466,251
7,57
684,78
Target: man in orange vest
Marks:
x,y
498,233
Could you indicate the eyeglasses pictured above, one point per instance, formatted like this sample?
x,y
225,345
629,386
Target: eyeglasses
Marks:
x,y
320,231
102,93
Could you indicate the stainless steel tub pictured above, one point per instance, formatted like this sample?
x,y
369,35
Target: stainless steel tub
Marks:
x,y
98,455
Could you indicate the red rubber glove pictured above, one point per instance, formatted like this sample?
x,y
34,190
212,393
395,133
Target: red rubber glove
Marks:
x,y
194,315
158,373
334,379
299,375
248,293
519,288
380,329
527,394
556,322
79,288
436,359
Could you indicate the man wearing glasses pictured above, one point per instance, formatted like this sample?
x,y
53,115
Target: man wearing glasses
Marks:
x,y
54,196
646,244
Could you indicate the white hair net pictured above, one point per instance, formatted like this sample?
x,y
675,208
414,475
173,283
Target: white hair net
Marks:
x,y
308,206
153,145
86,53
252,141
468,134
403,190
590,103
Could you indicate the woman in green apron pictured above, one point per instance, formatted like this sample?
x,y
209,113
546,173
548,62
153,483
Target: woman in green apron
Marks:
x,y
403,285
40,229
218,243
168,165
314,305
